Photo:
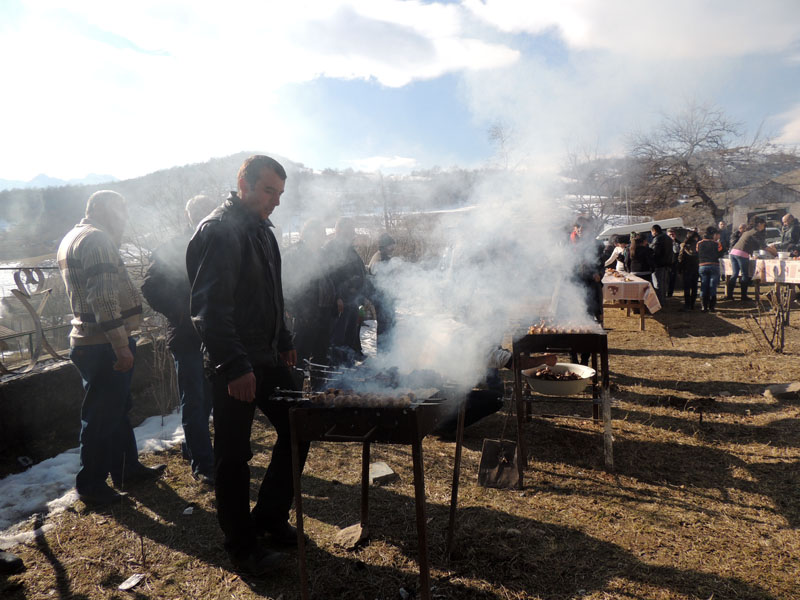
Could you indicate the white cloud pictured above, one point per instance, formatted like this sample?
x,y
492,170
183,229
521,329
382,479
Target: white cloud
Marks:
x,y
676,29
386,163
125,89
790,131
623,65
178,80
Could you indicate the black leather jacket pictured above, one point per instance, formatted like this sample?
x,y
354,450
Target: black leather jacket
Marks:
x,y
348,271
166,289
234,267
662,250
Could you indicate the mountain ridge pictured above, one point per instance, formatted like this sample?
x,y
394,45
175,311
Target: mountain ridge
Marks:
x,y
43,180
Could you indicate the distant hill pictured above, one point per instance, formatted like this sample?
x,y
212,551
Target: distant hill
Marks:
x,y
44,181
35,219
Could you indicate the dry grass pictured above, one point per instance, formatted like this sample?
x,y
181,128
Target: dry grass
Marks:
x,y
694,509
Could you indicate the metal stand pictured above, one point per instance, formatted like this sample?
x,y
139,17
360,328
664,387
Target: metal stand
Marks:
x,y
594,343
412,432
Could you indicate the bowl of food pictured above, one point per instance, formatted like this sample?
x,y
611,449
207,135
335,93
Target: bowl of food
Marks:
x,y
783,255
562,379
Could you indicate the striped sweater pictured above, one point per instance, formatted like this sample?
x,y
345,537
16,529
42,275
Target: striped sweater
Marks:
x,y
105,303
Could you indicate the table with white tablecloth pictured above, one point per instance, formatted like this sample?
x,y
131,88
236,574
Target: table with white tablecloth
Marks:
x,y
627,291
766,270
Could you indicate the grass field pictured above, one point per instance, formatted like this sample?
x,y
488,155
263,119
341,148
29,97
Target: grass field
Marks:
x,y
704,501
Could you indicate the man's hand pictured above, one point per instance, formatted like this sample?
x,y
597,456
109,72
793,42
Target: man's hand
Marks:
x,y
124,359
289,357
243,388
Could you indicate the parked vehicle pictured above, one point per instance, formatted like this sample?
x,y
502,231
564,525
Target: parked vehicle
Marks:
x,y
665,224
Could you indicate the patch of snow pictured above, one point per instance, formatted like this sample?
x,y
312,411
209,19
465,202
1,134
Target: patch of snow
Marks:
x,y
49,487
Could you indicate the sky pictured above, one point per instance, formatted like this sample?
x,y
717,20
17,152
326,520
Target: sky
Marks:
x,y
91,86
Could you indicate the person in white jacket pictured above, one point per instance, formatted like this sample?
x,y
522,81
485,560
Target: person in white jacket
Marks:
x,y
615,260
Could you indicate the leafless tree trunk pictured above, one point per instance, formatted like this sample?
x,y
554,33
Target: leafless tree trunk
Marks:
x,y
697,152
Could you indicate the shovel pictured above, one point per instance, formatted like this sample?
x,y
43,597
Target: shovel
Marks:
x,y
498,467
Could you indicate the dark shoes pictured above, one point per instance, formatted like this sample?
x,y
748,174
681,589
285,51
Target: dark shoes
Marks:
x,y
261,561
282,534
99,496
10,563
139,474
204,478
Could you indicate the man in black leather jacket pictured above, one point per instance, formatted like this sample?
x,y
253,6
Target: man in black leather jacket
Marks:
x,y
234,266
349,275
662,255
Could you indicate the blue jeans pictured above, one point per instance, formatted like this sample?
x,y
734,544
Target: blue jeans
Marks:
x,y
661,282
740,264
196,402
108,445
709,280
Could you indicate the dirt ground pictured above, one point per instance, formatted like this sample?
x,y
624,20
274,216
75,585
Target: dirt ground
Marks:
x,y
704,501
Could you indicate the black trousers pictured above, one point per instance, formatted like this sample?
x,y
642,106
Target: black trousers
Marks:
x,y
346,331
233,420
690,288
312,337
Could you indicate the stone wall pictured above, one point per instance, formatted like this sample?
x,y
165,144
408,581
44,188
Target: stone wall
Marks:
x,y
40,411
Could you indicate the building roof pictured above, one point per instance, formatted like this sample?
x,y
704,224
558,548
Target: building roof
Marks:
x,y
790,179
771,192
5,331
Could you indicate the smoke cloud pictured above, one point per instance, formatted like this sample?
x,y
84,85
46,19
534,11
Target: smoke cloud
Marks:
x,y
508,263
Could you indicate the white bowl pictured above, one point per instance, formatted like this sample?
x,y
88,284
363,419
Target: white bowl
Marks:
x,y
560,388
783,255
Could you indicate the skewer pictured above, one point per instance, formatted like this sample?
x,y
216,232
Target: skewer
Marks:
x,y
282,392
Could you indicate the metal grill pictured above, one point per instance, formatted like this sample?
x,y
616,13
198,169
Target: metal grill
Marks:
x,y
366,419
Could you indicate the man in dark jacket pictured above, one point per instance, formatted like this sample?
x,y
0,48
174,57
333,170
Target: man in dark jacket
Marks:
x,y
379,266
724,235
672,233
166,289
310,294
349,275
234,267
662,256
790,233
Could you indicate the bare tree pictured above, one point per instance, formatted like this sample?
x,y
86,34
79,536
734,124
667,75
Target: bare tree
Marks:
x,y
501,136
593,184
696,153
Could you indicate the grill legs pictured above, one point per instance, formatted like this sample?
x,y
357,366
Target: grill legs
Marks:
x,y
422,530
298,507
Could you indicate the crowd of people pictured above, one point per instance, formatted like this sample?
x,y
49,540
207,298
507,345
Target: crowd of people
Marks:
x,y
662,259
234,336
